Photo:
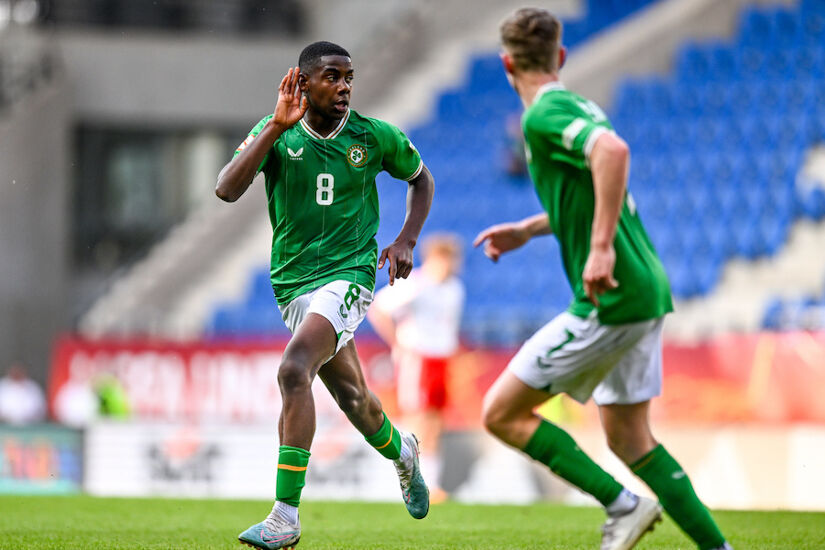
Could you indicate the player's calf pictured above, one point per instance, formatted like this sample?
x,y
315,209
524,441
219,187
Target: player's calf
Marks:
x,y
672,485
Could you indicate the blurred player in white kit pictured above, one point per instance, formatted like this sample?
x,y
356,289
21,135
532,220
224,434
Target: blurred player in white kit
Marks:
x,y
419,318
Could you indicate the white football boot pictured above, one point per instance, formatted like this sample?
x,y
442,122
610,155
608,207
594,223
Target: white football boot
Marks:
x,y
624,531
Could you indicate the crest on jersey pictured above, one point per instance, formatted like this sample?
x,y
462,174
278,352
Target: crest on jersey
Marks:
x,y
296,155
357,155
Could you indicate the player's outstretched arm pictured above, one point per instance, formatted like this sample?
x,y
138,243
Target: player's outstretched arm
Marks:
x,y
505,237
400,253
236,176
609,162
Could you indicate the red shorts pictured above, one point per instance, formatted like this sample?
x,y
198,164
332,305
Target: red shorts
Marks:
x,y
422,383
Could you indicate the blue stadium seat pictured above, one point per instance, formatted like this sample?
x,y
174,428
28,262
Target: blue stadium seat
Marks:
x,y
752,62
746,239
813,22
706,274
813,203
722,62
224,322
788,28
773,230
809,61
756,27
811,7
772,318
259,290
486,74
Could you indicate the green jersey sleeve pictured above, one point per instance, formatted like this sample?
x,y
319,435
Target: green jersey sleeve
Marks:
x,y
252,135
572,126
400,157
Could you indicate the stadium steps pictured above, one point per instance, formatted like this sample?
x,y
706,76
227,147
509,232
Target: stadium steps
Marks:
x,y
646,43
738,302
643,42
748,289
803,308
141,301
413,97
226,282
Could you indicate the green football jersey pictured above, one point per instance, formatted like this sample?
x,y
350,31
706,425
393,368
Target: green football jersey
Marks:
x,y
323,201
560,130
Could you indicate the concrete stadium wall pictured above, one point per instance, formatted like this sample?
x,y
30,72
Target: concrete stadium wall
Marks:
x,y
162,80
34,226
159,79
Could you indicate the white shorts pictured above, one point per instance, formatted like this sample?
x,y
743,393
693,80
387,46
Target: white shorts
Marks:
x,y
615,364
342,303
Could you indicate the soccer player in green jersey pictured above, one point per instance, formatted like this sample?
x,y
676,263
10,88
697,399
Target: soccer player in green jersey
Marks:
x,y
320,159
608,344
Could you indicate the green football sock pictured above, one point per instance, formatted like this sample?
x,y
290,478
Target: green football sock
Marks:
x,y
666,478
292,472
386,440
554,447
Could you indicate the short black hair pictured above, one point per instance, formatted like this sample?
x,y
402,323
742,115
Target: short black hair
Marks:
x,y
311,54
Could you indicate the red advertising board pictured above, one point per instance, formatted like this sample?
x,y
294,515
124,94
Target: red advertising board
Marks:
x,y
763,377
737,378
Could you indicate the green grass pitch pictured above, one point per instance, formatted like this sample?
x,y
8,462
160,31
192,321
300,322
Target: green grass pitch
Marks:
x,y
105,523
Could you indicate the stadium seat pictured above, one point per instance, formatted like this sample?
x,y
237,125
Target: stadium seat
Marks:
x,y
813,203
772,318
788,25
755,27
259,291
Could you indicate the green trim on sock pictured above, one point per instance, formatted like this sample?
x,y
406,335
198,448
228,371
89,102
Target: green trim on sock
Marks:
x,y
386,440
671,484
554,447
292,472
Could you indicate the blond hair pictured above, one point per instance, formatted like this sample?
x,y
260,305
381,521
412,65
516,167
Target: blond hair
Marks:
x,y
532,36
443,244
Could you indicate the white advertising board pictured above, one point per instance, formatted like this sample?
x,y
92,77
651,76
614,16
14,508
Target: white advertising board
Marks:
x,y
734,467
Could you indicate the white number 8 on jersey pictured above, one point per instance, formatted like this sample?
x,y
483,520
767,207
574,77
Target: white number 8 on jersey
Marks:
x,y
324,184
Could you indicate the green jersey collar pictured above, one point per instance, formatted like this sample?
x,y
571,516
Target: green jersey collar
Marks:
x,y
308,129
549,87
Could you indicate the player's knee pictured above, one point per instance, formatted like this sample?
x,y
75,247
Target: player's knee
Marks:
x,y
293,375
